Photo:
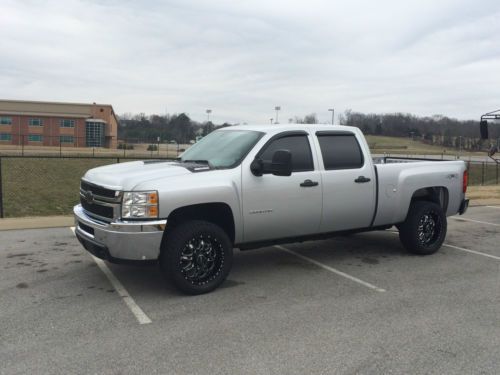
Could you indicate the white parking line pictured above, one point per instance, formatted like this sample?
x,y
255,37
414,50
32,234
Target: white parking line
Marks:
x,y
141,317
472,251
474,221
461,249
331,269
493,206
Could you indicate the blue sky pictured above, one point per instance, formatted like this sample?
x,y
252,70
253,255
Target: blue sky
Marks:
x,y
241,58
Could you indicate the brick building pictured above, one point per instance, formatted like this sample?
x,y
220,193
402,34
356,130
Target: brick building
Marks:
x,y
54,124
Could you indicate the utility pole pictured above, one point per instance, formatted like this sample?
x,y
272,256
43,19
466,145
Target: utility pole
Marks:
x,y
333,113
277,109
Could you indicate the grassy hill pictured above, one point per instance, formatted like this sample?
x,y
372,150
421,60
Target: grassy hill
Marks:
x,y
396,145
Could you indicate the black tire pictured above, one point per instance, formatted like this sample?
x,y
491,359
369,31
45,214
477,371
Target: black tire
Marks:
x,y
424,229
196,257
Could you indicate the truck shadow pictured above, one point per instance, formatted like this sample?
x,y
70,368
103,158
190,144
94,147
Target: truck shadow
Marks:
x,y
368,249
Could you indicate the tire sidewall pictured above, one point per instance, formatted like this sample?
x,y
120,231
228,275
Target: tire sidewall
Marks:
x,y
172,249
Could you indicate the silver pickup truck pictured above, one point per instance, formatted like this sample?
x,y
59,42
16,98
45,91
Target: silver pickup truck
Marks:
x,y
251,186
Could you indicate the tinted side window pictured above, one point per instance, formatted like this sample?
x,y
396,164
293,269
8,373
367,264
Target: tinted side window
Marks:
x,y
298,145
340,151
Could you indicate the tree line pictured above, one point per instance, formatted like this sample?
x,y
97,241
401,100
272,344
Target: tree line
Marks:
x,y
179,128
438,130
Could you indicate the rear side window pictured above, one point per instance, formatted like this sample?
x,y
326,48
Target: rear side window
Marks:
x,y
340,151
299,147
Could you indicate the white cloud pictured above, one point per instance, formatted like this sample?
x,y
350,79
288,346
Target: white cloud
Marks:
x,y
242,58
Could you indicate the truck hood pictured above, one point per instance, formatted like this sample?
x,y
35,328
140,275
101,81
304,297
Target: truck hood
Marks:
x,y
125,176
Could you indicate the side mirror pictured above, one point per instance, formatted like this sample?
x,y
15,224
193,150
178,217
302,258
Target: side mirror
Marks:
x,y
483,128
281,165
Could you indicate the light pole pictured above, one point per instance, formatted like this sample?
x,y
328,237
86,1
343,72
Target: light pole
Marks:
x,y
271,119
209,111
277,109
333,113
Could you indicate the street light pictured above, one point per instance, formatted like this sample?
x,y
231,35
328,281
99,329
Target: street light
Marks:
x,y
277,109
271,119
333,113
209,111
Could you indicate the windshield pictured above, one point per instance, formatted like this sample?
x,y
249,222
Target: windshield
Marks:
x,y
223,148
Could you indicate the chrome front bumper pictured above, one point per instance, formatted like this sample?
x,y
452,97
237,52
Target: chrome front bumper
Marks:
x,y
120,240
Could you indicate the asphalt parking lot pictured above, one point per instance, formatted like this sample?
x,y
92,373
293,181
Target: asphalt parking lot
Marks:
x,y
355,304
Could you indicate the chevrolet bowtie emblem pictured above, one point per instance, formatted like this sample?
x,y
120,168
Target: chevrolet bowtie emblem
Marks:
x,y
89,197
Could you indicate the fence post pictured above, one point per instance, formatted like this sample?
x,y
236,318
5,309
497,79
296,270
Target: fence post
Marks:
x,y
482,173
1,190
22,145
60,147
497,175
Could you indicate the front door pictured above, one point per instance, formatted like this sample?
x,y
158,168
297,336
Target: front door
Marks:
x,y
283,206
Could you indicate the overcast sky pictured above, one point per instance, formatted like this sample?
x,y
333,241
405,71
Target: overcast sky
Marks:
x,y
242,58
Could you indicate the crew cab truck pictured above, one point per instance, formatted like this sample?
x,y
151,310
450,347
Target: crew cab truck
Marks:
x,y
251,186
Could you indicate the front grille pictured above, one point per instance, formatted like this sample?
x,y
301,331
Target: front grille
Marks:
x,y
97,209
98,190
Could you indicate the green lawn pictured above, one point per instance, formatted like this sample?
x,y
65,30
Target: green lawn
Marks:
x,y
43,186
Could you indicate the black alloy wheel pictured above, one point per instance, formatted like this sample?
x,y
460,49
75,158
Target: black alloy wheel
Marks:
x,y
196,256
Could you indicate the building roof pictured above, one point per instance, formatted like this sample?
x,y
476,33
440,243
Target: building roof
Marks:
x,y
53,109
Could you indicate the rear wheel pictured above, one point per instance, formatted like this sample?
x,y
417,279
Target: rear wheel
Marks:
x,y
196,257
424,229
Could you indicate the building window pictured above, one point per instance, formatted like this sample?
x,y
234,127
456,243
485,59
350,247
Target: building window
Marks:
x,y
5,120
94,134
66,139
5,137
35,122
67,123
35,138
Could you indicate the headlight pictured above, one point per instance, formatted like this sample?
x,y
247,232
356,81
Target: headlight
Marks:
x,y
140,205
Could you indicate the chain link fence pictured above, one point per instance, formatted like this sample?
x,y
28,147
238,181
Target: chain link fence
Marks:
x,y
70,145
43,186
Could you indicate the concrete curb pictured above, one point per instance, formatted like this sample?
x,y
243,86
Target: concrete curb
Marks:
x,y
36,222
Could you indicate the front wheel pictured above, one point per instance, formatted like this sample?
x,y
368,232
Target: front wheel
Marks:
x,y
424,230
196,257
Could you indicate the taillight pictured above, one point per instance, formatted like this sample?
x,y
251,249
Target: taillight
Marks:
x,y
465,181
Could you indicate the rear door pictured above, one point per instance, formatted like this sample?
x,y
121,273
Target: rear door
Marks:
x,y
348,182
283,206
